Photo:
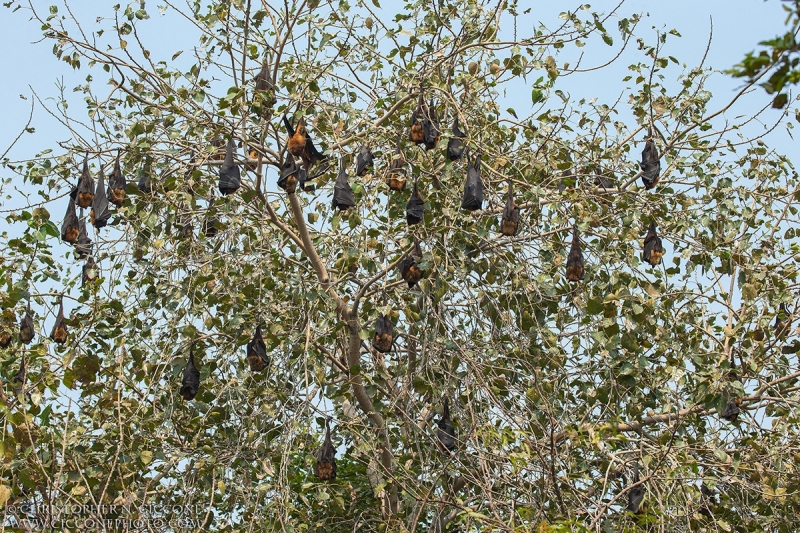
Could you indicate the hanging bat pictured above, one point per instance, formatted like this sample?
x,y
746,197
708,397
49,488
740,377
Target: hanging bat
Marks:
x,y
326,457
217,153
191,379
384,334
230,179
430,127
83,248
709,498
602,182
650,165
783,322
300,144
575,258
397,171
509,224
288,178
415,209
364,160
265,89
446,434
144,184
6,327
85,185
473,188
731,411
567,180
89,271
252,154
59,333
455,146
636,494
257,352
653,250
416,133
18,381
100,214
69,227
117,184
342,192
26,331
409,269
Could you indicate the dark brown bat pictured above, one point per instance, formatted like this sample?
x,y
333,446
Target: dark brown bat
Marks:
x,y
18,381
343,197
446,433
83,248
416,133
708,499
6,327
473,188
575,268
384,334
364,160
409,269
85,186
218,154
26,330
257,352
415,209
731,411
430,127
783,322
288,178
567,180
117,184
230,178
653,249
509,224
326,457
397,170
59,333
265,90
191,379
69,227
455,146
602,182
100,214
636,495
650,165
144,183
89,271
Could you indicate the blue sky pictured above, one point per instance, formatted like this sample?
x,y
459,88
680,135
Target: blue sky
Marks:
x,y
738,26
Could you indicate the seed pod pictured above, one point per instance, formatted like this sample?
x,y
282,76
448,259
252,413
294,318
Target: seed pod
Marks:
x,y
257,352
59,333
191,379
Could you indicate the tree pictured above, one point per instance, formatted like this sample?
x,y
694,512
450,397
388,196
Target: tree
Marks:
x,y
780,60
587,405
